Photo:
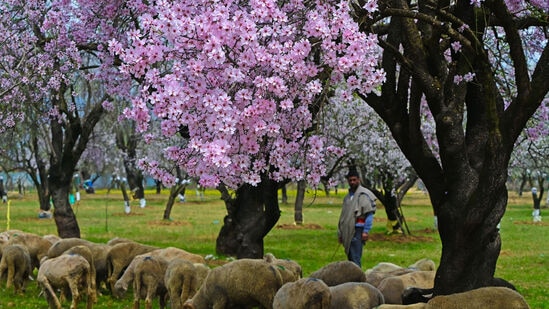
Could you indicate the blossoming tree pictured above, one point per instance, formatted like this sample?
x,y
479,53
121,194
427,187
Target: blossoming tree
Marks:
x,y
242,81
53,64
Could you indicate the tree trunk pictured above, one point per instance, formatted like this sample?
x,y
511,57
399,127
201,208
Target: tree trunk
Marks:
x,y
252,213
298,207
174,193
284,195
158,184
65,219
135,179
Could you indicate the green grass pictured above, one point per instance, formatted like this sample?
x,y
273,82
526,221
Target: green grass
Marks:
x,y
196,223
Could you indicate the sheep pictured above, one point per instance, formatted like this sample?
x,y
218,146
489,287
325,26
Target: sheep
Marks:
x,y
99,252
305,293
51,238
38,246
120,256
413,306
393,287
383,270
86,253
149,281
339,272
118,240
171,253
242,283
486,297
183,279
375,277
423,264
355,295
121,285
16,266
69,273
290,270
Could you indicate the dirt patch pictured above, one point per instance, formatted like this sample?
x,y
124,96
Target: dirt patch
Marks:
x,y
310,226
168,223
131,214
417,236
530,222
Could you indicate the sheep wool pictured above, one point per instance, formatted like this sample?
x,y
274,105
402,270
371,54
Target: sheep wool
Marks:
x,y
305,293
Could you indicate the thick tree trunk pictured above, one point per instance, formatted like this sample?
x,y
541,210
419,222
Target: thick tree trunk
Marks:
x,y
250,216
298,207
470,238
65,219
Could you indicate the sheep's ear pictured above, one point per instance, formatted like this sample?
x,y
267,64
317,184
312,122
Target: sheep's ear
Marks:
x,y
269,258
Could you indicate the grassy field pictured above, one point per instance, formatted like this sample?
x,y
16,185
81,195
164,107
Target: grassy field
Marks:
x,y
194,226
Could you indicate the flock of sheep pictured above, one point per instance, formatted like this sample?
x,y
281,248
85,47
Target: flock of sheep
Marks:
x,y
76,267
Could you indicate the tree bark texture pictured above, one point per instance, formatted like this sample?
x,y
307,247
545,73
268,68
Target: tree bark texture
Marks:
x,y
68,141
466,177
251,214
174,193
299,198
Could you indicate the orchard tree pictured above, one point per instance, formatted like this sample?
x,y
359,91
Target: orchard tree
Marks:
x,y
530,158
352,125
242,81
450,53
53,59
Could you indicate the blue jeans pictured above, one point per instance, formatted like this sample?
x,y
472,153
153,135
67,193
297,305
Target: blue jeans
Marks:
x,y
355,250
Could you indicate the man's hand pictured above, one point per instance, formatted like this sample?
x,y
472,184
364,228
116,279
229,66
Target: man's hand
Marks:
x,y
364,236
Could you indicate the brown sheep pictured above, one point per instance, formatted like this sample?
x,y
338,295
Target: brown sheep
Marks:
x,y
375,277
340,272
305,293
149,281
68,273
241,284
392,287
481,298
171,253
290,270
16,266
120,256
86,253
487,297
355,295
38,246
183,279
99,252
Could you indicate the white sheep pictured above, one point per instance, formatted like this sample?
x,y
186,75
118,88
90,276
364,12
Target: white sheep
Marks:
x,y
305,293
68,273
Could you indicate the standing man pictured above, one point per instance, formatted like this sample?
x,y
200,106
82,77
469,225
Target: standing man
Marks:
x,y
356,219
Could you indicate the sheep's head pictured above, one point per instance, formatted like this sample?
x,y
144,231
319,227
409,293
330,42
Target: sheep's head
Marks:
x,y
120,289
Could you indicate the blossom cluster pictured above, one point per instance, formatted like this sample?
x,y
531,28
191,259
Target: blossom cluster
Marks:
x,y
241,77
